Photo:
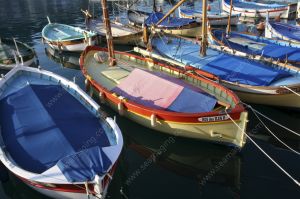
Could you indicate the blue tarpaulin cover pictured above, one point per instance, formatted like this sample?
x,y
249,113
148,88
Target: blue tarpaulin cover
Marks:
x,y
287,30
227,67
84,165
43,124
169,22
249,45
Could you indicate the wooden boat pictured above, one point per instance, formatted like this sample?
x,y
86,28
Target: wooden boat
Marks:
x,y
171,25
254,45
54,136
67,38
283,31
12,51
254,9
65,59
143,91
214,18
251,80
122,34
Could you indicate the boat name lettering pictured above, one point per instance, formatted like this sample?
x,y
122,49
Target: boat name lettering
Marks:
x,y
213,119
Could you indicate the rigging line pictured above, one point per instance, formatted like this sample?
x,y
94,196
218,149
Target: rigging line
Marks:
x,y
287,88
284,127
290,148
265,153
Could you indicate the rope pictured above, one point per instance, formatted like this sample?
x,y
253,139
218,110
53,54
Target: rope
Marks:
x,y
290,148
271,159
291,131
287,88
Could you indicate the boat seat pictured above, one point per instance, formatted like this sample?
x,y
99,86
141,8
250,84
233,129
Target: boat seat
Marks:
x,y
116,74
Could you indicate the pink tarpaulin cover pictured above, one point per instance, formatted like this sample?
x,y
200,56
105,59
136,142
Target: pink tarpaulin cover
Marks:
x,y
148,89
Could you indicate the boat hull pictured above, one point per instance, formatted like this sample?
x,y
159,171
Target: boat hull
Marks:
x,y
185,32
217,132
272,12
11,66
214,127
214,20
270,32
122,35
70,46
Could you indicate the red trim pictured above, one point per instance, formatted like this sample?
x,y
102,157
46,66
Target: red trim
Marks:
x,y
161,114
71,188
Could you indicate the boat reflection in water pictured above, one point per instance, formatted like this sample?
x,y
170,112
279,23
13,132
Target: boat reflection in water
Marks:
x,y
65,59
185,164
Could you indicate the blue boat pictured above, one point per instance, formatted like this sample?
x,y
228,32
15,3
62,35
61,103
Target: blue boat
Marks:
x,y
255,9
255,45
253,81
283,31
67,38
54,136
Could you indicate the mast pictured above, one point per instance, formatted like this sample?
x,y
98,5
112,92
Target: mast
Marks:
x,y
204,28
154,6
110,47
171,11
229,19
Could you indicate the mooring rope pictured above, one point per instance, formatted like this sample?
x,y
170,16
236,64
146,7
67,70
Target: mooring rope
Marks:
x,y
265,153
282,126
287,146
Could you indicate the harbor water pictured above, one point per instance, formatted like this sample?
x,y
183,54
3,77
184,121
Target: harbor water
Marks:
x,y
154,165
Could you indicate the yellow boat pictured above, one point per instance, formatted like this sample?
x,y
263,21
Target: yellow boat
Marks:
x,y
132,101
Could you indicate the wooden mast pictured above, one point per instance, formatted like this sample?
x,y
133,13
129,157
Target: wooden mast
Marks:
x,y
204,28
154,6
111,55
171,11
229,19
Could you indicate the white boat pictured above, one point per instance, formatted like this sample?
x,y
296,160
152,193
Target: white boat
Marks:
x,y
13,52
67,38
214,18
254,9
283,31
54,137
122,34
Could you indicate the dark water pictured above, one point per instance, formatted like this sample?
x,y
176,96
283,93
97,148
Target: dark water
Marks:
x,y
154,165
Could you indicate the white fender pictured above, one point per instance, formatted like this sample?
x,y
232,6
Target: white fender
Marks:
x,y
153,120
121,108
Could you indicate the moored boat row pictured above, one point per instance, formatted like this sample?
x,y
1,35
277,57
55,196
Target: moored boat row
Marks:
x,y
178,86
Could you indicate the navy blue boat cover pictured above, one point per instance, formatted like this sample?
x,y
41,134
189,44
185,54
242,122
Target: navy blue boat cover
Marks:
x,y
227,67
169,22
45,125
287,30
267,49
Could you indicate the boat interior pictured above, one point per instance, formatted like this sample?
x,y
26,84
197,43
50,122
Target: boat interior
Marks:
x,y
139,81
47,139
